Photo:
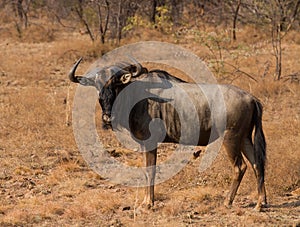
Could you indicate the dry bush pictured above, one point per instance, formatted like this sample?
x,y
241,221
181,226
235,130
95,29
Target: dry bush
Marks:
x,y
293,37
269,88
251,35
33,211
35,33
38,33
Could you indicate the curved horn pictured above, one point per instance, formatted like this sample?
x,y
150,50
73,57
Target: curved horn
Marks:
x,y
72,76
138,66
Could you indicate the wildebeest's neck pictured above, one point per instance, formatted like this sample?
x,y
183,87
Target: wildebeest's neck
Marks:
x,y
164,75
138,92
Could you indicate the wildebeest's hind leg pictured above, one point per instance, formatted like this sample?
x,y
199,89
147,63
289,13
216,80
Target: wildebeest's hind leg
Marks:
x,y
233,148
150,174
248,151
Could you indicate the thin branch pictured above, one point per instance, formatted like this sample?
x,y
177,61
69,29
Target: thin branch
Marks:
x,y
79,12
60,22
102,29
293,18
240,71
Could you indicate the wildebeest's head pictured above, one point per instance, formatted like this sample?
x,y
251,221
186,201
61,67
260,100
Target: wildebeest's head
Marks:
x,y
108,81
123,74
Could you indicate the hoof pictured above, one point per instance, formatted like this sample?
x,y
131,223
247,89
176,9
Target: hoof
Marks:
x,y
228,204
147,205
261,204
257,209
265,205
143,208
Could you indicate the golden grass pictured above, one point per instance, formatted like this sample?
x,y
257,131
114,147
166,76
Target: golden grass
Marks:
x,y
44,180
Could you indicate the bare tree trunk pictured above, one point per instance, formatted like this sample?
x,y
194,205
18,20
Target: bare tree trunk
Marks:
x,y
153,11
278,34
119,27
103,29
79,11
278,52
176,11
21,11
155,4
236,13
25,13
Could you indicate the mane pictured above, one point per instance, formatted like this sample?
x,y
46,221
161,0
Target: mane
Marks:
x,y
165,75
120,67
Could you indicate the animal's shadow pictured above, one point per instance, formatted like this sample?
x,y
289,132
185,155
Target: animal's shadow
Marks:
x,y
289,204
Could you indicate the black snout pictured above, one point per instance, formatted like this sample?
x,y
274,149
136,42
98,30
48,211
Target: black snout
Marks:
x,y
107,119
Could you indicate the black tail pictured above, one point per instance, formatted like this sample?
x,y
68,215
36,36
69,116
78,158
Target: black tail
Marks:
x,y
259,143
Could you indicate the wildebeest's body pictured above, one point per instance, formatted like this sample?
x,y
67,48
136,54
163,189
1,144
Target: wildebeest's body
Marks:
x,y
147,110
235,119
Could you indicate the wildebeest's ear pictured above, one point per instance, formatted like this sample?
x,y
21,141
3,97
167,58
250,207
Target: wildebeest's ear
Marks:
x,y
86,81
125,78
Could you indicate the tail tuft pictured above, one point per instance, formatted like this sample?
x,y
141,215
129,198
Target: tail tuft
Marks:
x,y
259,143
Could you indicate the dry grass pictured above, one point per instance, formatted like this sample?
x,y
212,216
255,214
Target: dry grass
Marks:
x,y
45,181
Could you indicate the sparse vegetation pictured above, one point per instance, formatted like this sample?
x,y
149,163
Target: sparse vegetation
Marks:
x,y
44,180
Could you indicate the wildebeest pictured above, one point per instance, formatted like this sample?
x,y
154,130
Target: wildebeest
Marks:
x,y
243,115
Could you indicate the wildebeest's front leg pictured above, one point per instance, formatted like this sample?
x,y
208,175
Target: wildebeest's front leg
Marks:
x,y
150,174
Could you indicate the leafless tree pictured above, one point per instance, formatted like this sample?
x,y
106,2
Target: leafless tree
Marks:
x,y
122,10
21,9
235,17
95,16
279,16
79,9
283,16
153,9
103,23
176,11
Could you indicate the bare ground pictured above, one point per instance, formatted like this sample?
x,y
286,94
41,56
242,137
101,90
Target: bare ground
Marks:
x,y
44,181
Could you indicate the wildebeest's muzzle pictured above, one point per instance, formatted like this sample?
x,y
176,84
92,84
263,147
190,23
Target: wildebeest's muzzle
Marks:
x,y
107,120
